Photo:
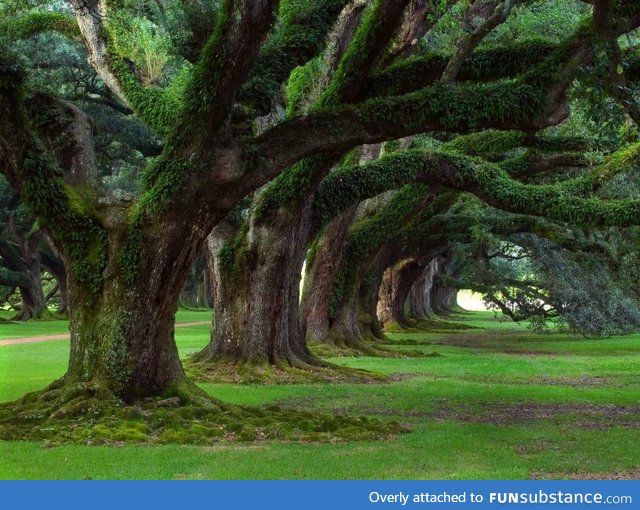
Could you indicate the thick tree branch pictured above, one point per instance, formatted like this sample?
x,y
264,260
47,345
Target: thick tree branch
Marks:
x,y
299,37
467,46
536,100
35,23
458,109
493,185
618,82
90,16
359,43
227,60
68,133
485,64
12,279
419,18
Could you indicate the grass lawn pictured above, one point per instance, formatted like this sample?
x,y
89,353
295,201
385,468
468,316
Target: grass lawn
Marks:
x,y
495,402
57,327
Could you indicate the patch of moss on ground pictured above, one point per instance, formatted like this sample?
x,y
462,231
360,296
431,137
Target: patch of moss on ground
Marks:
x,y
88,413
371,350
428,326
238,373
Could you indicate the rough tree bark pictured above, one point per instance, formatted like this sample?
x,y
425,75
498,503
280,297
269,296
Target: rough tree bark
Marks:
x,y
197,289
32,294
320,277
356,322
444,296
420,295
128,259
394,291
54,264
22,269
256,315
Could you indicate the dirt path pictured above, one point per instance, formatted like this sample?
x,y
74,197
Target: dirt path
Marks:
x,y
65,336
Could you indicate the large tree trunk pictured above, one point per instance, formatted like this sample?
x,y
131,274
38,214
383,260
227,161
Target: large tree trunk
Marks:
x,y
406,275
55,265
385,297
320,277
420,295
370,325
356,322
31,292
33,299
196,291
256,302
394,290
444,296
346,328
122,340
122,328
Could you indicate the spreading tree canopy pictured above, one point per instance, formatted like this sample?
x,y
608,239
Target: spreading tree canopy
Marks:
x,y
246,95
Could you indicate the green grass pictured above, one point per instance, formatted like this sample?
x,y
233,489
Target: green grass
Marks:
x,y
58,327
495,404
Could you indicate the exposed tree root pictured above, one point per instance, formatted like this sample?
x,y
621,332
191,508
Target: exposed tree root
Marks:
x,y
44,315
428,326
374,350
226,371
411,342
89,413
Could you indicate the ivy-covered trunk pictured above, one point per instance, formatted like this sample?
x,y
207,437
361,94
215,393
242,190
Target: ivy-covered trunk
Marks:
x,y
119,339
122,320
355,323
345,330
256,295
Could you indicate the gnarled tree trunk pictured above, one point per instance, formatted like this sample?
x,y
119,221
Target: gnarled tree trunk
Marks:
x,y
23,270
320,277
394,290
33,300
196,292
55,265
444,296
356,322
256,300
420,294
122,334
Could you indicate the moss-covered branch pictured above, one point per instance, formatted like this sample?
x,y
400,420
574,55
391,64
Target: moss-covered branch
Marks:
x,y
226,60
65,211
35,23
345,84
536,99
486,64
561,202
299,36
9,278
368,235
155,106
